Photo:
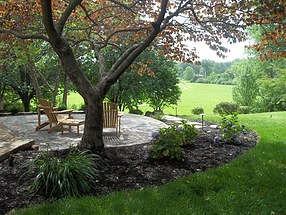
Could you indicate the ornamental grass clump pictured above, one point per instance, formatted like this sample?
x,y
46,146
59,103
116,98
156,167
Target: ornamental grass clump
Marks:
x,y
168,142
71,175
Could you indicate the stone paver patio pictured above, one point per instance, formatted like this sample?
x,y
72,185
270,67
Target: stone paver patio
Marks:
x,y
135,129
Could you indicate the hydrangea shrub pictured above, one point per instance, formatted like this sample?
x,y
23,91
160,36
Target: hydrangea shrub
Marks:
x,y
231,130
168,142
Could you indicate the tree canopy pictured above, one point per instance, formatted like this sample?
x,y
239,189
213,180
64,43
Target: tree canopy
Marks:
x,y
128,28
270,17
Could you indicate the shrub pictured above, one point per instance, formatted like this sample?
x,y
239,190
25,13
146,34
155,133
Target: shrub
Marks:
x,y
197,110
62,107
244,110
169,141
168,144
225,108
158,114
189,132
58,177
149,113
74,107
136,111
82,107
14,109
230,130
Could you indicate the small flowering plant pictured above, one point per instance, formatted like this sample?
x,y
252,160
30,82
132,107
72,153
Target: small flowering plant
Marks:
x,y
168,142
231,130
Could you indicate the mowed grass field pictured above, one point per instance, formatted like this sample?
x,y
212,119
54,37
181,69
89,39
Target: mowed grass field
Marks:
x,y
193,95
206,96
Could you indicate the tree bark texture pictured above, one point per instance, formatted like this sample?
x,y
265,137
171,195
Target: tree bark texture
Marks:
x,y
65,93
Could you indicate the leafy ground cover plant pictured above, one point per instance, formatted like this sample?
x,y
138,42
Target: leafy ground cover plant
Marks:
x,y
168,142
231,131
57,176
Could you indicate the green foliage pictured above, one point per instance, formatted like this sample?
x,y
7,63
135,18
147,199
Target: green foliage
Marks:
x,y
59,177
136,111
211,192
62,107
189,132
225,108
211,71
15,108
82,107
168,143
74,107
158,115
244,110
231,129
189,74
197,110
246,88
157,87
273,93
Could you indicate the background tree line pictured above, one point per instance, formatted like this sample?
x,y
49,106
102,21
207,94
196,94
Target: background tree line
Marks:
x,y
260,81
208,71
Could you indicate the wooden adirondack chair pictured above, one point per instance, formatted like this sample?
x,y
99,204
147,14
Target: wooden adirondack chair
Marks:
x,y
56,119
111,116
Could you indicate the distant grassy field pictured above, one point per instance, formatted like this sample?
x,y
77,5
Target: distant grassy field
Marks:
x,y
199,95
193,95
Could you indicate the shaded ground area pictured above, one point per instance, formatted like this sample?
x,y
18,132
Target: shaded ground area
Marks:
x,y
123,168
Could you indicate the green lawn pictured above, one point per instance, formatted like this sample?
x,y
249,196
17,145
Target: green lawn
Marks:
x,y
75,100
193,95
201,95
254,183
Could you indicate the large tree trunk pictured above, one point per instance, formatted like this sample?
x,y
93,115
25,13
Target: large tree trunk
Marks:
x,y
93,129
93,96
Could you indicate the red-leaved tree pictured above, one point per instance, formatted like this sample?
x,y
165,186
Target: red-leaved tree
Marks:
x,y
124,26
271,17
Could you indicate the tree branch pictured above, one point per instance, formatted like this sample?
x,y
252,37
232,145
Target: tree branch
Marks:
x,y
122,58
24,36
88,15
127,7
119,67
61,23
48,19
121,31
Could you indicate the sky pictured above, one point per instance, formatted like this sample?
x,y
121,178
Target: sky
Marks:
x,y
236,52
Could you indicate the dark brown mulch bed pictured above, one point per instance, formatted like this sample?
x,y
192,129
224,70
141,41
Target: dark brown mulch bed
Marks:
x,y
124,168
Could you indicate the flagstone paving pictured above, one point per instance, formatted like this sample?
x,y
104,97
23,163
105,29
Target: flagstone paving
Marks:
x,y
10,143
135,129
18,132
